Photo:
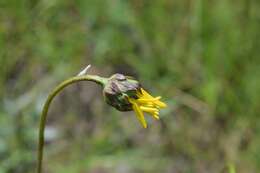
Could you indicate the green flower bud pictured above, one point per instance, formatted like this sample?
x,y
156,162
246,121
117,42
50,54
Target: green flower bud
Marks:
x,y
118,89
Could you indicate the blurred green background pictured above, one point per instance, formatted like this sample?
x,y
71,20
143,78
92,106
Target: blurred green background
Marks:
x,y
201,56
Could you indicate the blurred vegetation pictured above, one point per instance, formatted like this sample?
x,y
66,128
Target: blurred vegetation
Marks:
x,y
202,56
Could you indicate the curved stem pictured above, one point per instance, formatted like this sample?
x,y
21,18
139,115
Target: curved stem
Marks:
x,y
96,79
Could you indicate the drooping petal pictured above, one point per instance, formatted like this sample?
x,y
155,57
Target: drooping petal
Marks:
x,y
146,103
139,113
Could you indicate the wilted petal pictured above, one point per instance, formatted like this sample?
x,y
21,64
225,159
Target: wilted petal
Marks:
x,y
139,113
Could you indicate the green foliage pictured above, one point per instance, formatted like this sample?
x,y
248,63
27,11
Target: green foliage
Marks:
x,y
201,56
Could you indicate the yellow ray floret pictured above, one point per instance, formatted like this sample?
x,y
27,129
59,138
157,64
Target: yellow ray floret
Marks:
x,y
146,103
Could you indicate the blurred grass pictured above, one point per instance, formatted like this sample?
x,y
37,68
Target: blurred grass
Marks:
x,y
201,56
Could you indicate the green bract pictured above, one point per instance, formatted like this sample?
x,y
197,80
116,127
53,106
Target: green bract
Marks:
x,y
118,89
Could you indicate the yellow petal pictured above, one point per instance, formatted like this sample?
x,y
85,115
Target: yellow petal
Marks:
x,y
154,112
160,103
147,97
148,109
149,104
152,102
156,116
145,93
144,100
139,114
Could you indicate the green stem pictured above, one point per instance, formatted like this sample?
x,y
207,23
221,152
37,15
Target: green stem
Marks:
x,y
96,79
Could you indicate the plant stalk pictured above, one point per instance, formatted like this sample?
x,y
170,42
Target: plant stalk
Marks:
x,y
59,88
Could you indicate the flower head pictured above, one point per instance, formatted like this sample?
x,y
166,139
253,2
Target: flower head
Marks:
x,y
126,94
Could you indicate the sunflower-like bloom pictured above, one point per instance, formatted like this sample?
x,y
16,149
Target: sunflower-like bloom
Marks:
x,y
125,94
146,103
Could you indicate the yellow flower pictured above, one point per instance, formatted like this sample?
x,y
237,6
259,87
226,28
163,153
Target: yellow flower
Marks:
x,y
146,103
125,94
